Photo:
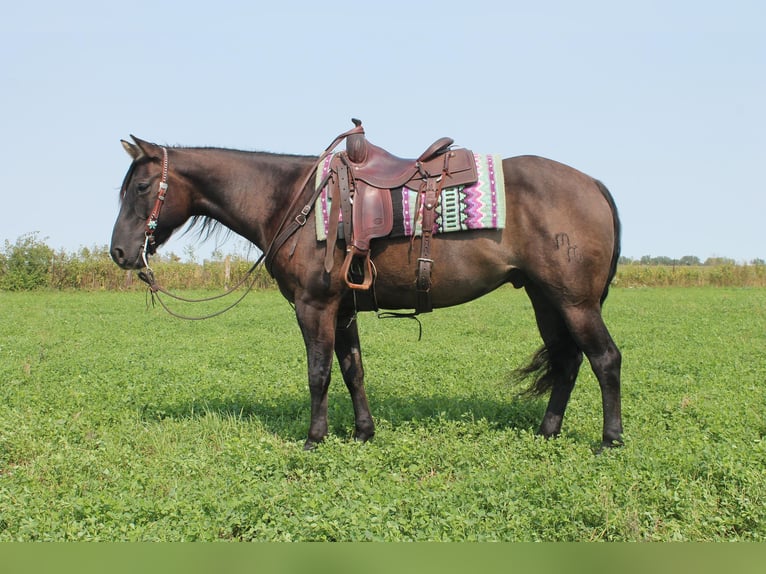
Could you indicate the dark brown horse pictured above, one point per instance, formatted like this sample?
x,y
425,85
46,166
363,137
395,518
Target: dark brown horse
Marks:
x,y
561,243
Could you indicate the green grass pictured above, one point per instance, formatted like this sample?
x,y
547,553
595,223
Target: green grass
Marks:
x,y
118,423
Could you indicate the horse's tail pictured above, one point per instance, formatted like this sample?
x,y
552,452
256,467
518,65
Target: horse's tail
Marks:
x,y
541,366
617,237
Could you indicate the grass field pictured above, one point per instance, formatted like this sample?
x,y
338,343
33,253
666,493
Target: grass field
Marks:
x,y
118,423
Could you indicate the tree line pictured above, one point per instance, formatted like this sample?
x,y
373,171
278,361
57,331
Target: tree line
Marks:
x,y
687,260
29,263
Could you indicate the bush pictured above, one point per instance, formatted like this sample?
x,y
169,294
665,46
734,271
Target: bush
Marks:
x,y
25,264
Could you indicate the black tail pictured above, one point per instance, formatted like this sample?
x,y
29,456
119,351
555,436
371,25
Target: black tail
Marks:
x,y
550,366
540,368
617,237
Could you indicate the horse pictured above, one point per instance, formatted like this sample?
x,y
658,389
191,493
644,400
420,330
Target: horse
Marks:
x,y
560,244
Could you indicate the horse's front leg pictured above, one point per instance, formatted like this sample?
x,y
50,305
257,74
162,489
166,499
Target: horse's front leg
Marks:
x,y
318,328
349,353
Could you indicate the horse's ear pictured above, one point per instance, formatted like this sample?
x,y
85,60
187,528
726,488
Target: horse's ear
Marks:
x,y
145,148
133,150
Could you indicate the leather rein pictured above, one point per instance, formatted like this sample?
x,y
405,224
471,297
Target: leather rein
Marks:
x,y
284,231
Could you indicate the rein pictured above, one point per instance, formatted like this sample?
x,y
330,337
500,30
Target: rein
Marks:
x,y
155,289
283,233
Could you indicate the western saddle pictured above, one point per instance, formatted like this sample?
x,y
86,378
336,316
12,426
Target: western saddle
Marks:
x,y
360,187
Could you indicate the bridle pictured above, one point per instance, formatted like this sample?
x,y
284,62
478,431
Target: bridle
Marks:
x,y
151,221
147,276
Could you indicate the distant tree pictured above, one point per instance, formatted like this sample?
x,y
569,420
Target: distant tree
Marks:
x,y
719,261
94,253
758,261
190,253
689,260
663,260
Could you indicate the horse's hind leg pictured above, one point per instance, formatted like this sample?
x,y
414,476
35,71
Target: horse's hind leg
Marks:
x,y
349,354
556,364
591,335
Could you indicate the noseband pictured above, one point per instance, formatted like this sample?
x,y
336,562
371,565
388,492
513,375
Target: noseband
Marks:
x,y
151,222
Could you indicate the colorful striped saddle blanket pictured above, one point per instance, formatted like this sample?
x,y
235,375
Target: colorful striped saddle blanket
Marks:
x,y
463,208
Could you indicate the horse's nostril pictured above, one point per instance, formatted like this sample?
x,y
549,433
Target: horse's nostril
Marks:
x,y
118,255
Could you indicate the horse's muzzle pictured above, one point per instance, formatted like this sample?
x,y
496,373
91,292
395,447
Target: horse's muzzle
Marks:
x,y
124,261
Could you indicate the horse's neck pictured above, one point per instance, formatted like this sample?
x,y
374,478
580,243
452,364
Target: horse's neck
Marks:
x,y
247,191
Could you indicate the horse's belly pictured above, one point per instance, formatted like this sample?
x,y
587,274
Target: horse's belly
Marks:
x,y
461,271
444,295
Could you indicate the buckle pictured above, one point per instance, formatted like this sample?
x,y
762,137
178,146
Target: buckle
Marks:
x,y
301,218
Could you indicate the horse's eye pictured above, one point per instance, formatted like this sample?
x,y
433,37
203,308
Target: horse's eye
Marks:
x,y
142,187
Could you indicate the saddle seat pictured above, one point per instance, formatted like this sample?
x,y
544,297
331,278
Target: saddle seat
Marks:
x,y
379,168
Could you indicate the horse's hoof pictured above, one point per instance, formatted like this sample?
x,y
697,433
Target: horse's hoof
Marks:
x,y
310,445
363,437
610,444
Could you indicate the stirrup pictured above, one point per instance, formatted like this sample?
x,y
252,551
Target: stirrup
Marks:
x,y
367,269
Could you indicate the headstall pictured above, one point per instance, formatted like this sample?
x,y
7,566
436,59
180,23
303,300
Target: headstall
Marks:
x,y
151,222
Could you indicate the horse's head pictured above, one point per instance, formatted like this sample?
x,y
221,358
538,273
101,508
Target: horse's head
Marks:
x,y
147,216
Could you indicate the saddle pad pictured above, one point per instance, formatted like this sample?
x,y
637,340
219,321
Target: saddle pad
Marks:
x,y
463,208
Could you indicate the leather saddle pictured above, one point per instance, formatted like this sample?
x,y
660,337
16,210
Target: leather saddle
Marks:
x,y
363,178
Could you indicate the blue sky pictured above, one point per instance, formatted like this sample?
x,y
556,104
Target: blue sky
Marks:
x,y
663,101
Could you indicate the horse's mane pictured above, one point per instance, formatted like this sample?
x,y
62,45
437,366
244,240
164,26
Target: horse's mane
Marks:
x,y
206,228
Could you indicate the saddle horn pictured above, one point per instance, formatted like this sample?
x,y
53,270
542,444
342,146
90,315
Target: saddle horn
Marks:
x,y
356,144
